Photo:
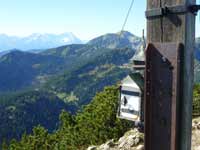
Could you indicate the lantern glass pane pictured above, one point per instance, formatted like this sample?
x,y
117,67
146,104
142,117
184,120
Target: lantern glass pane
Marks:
x,y
130,104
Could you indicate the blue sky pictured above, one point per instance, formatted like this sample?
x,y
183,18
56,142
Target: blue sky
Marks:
x,y
85,18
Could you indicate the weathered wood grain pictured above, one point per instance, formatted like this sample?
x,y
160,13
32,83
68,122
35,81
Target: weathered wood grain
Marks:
x,y
181,29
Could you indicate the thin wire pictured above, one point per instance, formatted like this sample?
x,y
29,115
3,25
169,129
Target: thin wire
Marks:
x,y
126,19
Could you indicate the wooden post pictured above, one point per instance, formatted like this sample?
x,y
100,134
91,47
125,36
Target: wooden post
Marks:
x,y
177,28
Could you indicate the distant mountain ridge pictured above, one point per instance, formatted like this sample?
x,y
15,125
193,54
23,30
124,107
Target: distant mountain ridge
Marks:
x,y
37,41
116,40
64,77
23,69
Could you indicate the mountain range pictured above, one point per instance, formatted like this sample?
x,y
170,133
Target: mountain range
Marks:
x,y
36,86
33,69
37,41
67,77
21,69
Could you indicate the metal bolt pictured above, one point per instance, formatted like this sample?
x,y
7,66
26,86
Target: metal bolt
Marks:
x,y
164,59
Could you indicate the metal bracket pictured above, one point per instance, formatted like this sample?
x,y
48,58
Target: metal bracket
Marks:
x,y
177,9
194,8
162,95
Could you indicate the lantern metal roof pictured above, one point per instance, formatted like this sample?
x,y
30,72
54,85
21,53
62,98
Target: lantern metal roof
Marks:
x,y
134,79
139,54
138,59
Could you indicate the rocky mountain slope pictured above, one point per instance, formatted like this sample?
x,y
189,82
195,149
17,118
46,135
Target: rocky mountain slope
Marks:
x,y
133,140
112,40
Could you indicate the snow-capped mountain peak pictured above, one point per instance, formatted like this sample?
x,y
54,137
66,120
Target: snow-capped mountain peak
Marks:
x,y
37,41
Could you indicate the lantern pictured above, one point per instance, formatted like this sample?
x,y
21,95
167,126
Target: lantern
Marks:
x,y
131,98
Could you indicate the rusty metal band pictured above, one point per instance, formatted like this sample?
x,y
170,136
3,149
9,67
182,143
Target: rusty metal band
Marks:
x,y
162,94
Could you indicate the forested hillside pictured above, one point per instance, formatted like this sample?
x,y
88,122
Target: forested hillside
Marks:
x,y
20,69
91,77
20,112
69,89
94,125
69,74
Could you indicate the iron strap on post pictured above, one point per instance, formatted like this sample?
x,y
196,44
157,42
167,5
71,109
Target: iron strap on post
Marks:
x,y
177,9
162,95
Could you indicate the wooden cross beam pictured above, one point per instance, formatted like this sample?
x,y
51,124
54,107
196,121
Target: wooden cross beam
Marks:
x,y
170,29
